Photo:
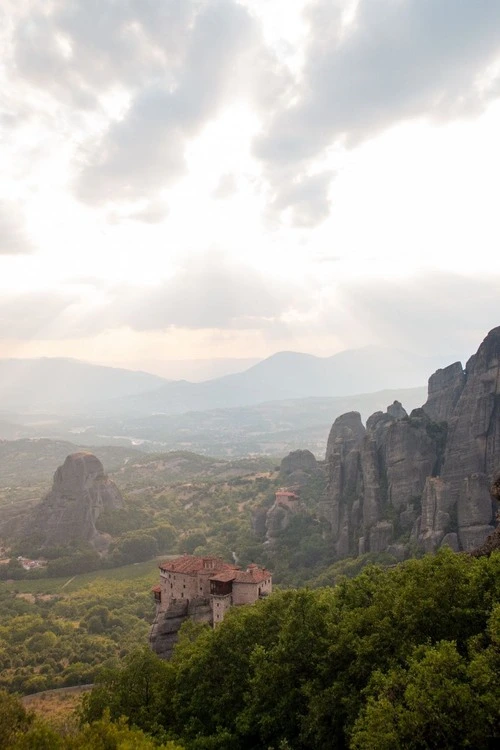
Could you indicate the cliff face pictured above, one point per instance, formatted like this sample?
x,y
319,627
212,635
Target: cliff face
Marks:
x,y
80,493
420,480
166,626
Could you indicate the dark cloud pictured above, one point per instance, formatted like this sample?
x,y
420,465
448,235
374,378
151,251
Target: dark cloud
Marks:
x,y
13,237
397,60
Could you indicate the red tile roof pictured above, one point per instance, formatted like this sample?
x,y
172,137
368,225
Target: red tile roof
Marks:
x,y
156,589
216,569
253,574
191,564
225,577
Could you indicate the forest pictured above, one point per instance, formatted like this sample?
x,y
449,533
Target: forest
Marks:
x,y
407,656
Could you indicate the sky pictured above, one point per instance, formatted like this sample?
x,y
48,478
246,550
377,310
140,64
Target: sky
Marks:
x,y
202,179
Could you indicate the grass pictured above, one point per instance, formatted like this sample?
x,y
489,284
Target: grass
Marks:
x,y
58,708
70,584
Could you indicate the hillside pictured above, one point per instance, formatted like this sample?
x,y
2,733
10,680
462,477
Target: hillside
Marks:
x,y
286,375
50,384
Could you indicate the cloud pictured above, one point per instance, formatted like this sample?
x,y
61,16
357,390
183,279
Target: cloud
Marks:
x,y
144,151
33,315
396,60
428,313
13,237
210,292
227,186
307,199
79,50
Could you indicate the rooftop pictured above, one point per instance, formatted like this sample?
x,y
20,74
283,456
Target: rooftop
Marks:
x,y
253,574
225,576
216,569
191,564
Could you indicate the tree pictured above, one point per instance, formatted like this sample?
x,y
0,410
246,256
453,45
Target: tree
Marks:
x,y
138,689
431,704
13,719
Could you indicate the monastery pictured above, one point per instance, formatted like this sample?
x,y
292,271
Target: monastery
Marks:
x,y
201,589
190,577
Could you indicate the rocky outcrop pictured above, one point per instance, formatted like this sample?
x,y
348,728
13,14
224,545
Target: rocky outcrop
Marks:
x,y
424,479
297,467
278,519
299,471
444,389
165,629
300,460
80,493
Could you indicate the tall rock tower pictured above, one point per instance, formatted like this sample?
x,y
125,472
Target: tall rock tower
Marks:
x,y
80,493
424,479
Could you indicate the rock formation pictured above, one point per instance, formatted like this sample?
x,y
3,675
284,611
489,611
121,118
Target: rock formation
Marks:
x,y
80,493
166,626
297,470
421,480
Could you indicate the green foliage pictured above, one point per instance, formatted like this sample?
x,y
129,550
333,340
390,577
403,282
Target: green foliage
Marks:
x,y
65,638
139,689
20,730
116,522
135,546
406,657
192,541
13,719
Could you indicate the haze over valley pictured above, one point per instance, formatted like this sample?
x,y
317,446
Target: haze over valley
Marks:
x,y
282,403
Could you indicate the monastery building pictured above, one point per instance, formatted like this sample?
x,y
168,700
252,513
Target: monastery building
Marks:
x,y
190,578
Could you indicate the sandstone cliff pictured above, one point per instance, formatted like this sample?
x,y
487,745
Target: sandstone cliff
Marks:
x,y
423,480
80,493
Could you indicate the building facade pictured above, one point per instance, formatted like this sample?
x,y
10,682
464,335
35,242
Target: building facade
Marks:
x,y
192,579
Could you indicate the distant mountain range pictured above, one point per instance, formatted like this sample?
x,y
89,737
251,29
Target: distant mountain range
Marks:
x,y
73,387
286,375
49,383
